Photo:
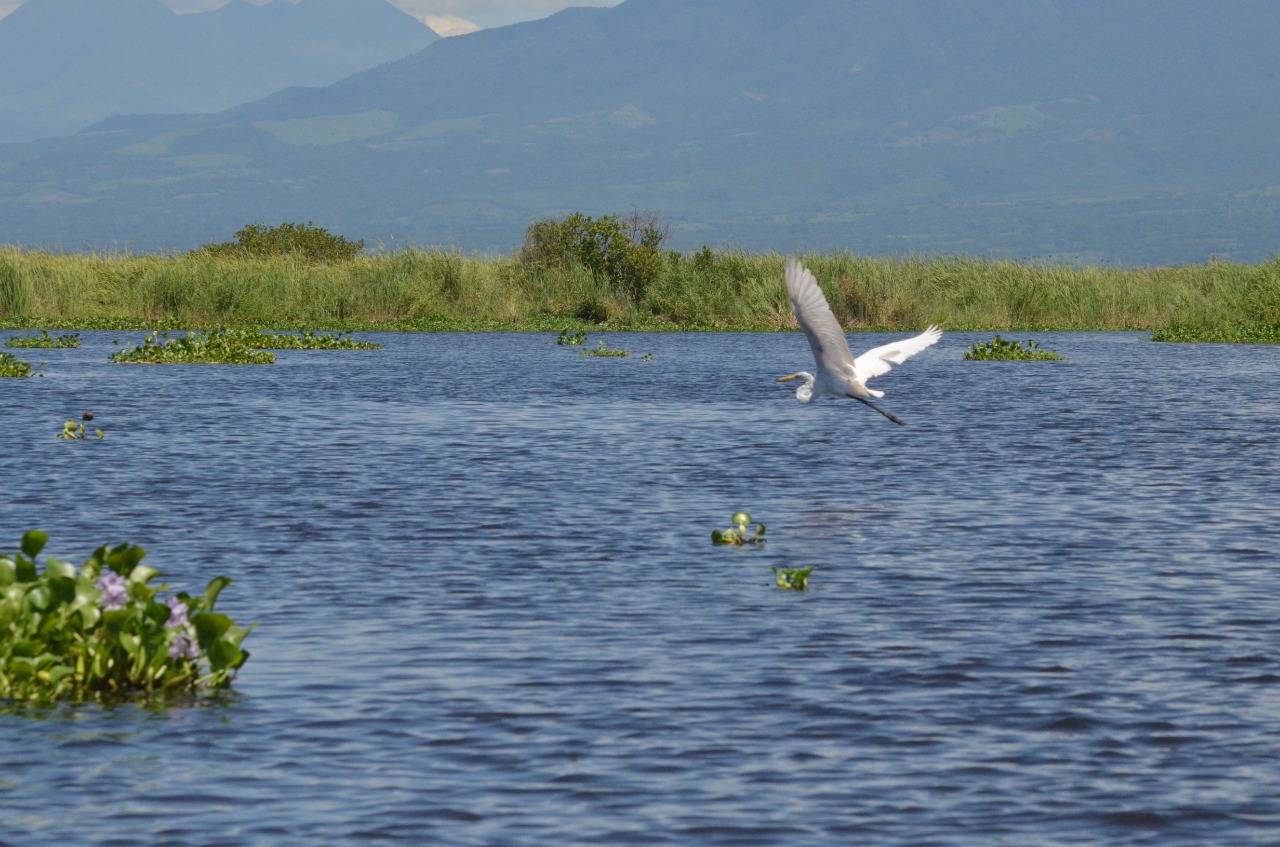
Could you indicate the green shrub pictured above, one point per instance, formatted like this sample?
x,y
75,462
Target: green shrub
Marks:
x,y
627,253
304,241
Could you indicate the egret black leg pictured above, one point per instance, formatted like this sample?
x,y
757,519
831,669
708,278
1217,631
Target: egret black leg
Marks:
x,y
888,415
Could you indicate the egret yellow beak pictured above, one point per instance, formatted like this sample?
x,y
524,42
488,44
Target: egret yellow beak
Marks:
x,y
785,378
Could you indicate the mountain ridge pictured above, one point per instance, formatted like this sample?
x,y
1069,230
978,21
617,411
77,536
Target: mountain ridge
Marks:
x,y
1110,132
65,64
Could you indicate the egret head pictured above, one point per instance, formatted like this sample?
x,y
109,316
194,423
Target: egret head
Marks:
x,y
804,392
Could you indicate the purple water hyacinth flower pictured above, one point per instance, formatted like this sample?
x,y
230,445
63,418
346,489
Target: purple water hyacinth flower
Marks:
x,y
177,613
184,648
114,594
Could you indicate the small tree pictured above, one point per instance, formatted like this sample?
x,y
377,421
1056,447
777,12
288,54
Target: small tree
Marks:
x,y
306,241
625,252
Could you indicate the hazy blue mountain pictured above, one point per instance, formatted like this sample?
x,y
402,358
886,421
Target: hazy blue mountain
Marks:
x,y
66,64
1125,130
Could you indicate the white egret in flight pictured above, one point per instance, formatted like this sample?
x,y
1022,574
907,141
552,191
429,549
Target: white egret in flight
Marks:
x,y
839,374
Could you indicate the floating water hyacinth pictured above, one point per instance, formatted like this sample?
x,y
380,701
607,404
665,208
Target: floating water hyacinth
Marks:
x,y
601,350
100,631
45,340
11,365
568,338
77,431
792,579
743,531
218,347
1004,350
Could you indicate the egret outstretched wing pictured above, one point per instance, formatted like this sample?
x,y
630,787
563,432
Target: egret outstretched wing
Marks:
x,y
826,336
880,360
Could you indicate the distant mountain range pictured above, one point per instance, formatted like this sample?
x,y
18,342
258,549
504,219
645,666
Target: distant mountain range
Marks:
x,y
1135,131
66,64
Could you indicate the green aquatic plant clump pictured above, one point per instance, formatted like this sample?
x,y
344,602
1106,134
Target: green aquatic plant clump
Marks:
x,y
601,350
78,430
307,340
792,579
45,340
102,631
1234,334
569,338
12,366
219,347
743,531
1006,350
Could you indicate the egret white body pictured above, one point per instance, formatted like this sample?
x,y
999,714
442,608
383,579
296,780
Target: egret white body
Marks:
x,y
839,373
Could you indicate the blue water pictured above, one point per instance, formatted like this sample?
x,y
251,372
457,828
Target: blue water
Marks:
x,y
1046,611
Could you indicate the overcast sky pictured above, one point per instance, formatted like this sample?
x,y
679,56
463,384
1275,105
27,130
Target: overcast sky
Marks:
x,y
447,17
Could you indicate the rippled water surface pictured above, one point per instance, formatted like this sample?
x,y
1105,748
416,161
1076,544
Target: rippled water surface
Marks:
x,y
1046,611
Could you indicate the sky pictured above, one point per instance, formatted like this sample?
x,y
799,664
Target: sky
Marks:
x,y
447,17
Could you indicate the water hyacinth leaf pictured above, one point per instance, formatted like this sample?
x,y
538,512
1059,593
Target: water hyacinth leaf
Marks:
x,y
55,569
33,542
56,674
142,574
209,628
39,597
214,588
740,518
89,616
62,590
8,572
158,612
717,537
132,643
124,557
24,649
223,655
25,571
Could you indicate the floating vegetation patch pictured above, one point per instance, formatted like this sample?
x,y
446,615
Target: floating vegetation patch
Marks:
x,y
568,338
1237,334
219,347
45,340
1003,350
601,350
792,579
103,632
10,365
78,430
743,531
306,341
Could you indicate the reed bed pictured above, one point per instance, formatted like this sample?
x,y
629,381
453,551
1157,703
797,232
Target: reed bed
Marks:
x,y
421,289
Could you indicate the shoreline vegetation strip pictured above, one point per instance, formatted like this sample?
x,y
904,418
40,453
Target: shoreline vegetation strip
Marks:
x,y
424,290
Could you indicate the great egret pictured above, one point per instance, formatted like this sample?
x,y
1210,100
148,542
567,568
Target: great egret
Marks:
x,y
839,374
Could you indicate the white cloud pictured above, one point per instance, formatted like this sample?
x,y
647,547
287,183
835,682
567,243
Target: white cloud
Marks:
x,y
447,25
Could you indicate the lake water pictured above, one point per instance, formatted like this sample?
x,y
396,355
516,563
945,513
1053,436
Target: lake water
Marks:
x,y
1046,611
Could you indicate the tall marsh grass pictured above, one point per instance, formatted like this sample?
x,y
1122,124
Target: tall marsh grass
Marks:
x,y
441,289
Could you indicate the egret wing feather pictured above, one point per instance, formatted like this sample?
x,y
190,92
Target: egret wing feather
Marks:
x,y
880,360
826,336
